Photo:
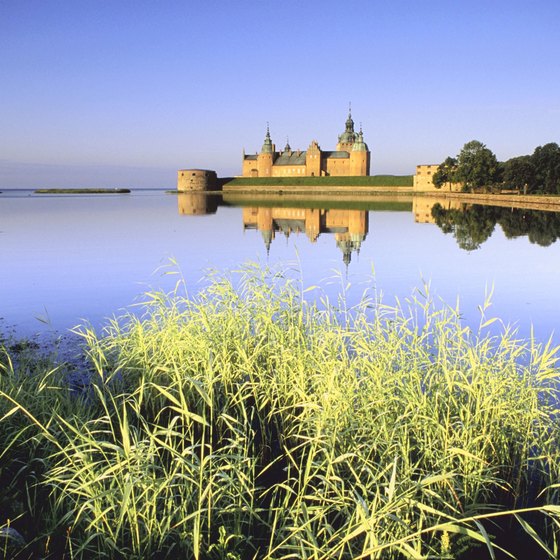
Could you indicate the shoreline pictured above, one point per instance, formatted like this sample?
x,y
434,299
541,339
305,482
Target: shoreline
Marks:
x,y
360,194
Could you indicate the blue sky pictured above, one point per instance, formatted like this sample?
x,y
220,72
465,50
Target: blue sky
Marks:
x,y
124,93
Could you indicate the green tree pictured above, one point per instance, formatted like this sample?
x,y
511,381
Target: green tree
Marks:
x,y
445,173
477,166
519,173
546,161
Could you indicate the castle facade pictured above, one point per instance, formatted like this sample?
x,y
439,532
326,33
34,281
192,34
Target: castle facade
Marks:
x,y
351,158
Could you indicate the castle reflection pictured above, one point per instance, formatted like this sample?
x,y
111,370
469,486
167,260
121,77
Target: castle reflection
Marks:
x,y
196,204
422,207
349,227
470,223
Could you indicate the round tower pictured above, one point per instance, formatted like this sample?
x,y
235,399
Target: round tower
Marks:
x,y
196,180
359,157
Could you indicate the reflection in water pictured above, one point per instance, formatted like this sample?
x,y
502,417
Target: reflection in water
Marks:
x,y
42,267
542,228
349,227
422,207
472,224
196,203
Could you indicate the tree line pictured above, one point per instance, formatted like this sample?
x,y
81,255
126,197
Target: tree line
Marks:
x,y
477,168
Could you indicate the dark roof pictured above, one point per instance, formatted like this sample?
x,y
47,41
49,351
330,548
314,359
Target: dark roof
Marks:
x,y
251,156
336,155
292,158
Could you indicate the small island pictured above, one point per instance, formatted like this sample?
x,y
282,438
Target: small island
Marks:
x,y
81,191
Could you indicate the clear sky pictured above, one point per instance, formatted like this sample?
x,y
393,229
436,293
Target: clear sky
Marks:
x,y
124,93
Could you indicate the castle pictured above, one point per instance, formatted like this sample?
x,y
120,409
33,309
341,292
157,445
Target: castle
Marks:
x,y
351,158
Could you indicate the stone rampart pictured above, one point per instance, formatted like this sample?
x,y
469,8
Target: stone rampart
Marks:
x,y
196,180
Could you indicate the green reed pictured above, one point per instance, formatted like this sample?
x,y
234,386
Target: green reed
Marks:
x,y
249,422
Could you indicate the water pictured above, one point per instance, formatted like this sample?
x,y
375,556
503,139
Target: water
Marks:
x,y
64,259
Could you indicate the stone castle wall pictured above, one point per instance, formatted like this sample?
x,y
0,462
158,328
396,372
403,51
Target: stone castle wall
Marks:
x,y
196,180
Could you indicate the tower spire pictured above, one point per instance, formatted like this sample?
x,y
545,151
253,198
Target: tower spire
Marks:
x,y
288,148
267,145
349,121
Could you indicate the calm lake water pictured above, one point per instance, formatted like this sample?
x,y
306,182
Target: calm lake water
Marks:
x,y
68,258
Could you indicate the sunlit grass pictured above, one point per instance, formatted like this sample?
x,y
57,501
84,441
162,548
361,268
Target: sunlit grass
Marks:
x,y
247,422
370,180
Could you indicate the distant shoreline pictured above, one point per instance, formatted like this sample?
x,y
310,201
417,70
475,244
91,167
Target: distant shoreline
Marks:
x,y
81,191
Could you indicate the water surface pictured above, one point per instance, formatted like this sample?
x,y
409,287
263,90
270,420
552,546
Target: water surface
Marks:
x,y
74,257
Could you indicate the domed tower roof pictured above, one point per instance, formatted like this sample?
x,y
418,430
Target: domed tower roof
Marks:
x,y
267,144
359,144
348,136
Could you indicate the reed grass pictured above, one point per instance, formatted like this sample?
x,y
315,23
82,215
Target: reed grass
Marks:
x,y
252,421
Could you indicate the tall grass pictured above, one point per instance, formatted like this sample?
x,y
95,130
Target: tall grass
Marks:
x,y
247,422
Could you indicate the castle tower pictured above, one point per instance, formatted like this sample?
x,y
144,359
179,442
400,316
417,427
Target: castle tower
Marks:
x,y
266,156
196,180
359,157
348,137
